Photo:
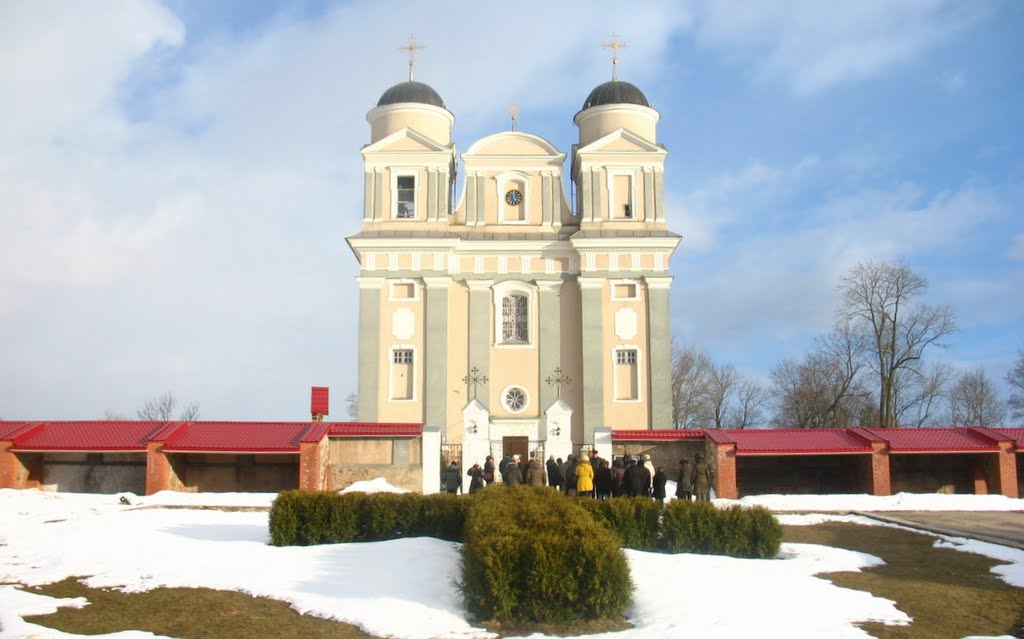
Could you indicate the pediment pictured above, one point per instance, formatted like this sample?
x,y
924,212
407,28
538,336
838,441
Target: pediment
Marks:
x,y
404,140
512,143
622,141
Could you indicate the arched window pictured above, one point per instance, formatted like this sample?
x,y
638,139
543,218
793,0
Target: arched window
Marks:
x,y
515,318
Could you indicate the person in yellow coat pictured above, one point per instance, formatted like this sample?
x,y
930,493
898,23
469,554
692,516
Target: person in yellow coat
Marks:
x,y
584,477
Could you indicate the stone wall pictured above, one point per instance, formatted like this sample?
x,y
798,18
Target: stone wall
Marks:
x,y
223,473
399,461
104,473
803,474
931,473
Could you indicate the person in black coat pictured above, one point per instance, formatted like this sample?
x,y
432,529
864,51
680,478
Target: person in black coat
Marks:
x,y
642,477
629,481
555,478
603,480
476,481
489,470
660,479
453,480
512,474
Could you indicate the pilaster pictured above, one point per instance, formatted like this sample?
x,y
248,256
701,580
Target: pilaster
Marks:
x,y
659,351
1007,470
369,347
725,471
550,334
479,347
591,290
435,364
881,477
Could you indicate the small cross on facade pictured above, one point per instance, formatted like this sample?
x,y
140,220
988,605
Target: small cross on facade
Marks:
x,y
558,379
411,47
614,44
473,380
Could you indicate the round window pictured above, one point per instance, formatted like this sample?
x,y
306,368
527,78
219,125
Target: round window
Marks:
x,y
514,398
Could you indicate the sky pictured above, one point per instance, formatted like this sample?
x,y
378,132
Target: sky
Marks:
x,y
789,596
177,178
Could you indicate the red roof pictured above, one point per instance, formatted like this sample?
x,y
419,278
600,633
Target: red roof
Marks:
x,y
922,440
1016,434
242,437
655,435
8,429
798,442
365,429
124,436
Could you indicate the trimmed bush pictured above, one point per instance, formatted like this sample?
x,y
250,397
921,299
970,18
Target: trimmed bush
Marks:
x,y
532,555
699,527
300,518
635,520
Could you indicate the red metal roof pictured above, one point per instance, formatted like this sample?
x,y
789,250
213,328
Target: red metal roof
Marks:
x,y
922,440
1016,434
9,429
365,429
242,437
798,442
655,435
86,436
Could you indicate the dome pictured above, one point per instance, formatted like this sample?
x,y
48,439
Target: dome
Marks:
x,y
411,92
615,92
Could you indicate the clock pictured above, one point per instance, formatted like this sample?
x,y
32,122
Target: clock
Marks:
x,y
514,197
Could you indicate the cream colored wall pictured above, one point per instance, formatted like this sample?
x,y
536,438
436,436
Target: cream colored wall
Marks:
x,y
630,414
458,356
434,125
404,410
572,353
518,365
598,122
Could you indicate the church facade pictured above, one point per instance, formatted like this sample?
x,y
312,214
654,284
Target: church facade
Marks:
x,y
500,310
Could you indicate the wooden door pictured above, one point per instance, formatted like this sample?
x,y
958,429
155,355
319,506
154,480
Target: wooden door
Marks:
x,y
515,446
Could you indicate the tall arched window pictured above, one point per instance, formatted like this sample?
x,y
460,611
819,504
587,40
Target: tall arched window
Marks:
x,y
515,318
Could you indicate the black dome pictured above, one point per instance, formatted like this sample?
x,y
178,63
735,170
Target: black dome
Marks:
x,y
411,92
615,92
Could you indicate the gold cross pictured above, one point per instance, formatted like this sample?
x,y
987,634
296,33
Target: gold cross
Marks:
x,y
412,46
614,45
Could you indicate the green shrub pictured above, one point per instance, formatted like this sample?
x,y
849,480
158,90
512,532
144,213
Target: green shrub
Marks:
x,y
443,516
635,520
699,527
532,555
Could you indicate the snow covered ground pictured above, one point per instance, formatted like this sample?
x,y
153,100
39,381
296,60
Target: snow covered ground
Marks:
x,y
404,588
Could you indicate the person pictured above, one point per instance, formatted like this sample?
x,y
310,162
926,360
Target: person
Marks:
x,y
489,470
584,477
503,465
618,473
476,481
595,460
629,479
536,476
603,480
650,473
555,479
453,480
639,479
660,479
570,475
684,485
701,479
512,474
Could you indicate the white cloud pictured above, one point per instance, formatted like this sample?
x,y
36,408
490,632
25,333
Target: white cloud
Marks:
x,y
811,46
1016,249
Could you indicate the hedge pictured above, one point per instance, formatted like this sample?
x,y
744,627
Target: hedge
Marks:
x,y
304,518
300,518
532,555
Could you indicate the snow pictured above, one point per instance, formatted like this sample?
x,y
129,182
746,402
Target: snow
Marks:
x,y
405,588
379,485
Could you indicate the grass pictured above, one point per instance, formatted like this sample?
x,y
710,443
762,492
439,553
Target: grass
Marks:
x,y
187,613
949,593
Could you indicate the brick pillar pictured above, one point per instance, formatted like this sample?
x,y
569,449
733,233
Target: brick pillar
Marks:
x,y
725,471
15,472
160,474
311,466
1006,471
881,477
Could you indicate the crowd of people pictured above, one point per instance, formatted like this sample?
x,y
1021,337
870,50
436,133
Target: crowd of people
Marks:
x,y
589,475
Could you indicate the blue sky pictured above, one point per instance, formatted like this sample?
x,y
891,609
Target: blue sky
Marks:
x,y
177,178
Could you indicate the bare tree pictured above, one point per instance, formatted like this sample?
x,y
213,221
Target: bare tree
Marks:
x,y
878,300
1015,378
114,416
751,398
920,394
973,401
722,382
161,409
824,390
352,406
689,386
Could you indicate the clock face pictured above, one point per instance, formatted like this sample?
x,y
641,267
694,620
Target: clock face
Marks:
x,y
514,197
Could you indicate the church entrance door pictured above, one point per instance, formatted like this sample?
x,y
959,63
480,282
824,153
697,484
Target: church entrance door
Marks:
x,y
515,446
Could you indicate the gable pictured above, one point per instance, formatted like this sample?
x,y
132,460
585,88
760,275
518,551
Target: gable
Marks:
x,y
622,141
404,140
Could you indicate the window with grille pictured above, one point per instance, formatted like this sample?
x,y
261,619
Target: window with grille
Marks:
x,y
406,196
625,357
515,319
402,357
627,375
401,374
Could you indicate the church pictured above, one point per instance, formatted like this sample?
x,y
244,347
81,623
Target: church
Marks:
x,y
493,305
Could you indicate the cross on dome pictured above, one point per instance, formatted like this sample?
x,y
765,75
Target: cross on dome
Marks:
x,y
614,44
412,46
